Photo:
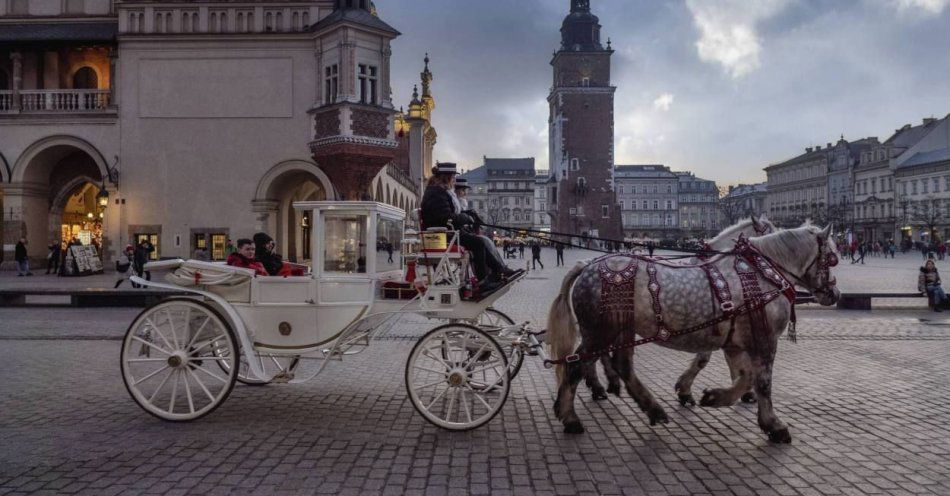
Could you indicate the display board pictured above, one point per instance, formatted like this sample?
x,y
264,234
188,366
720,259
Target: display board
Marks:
x,y
82,261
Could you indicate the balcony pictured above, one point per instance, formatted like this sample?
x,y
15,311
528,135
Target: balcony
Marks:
x,y
55,101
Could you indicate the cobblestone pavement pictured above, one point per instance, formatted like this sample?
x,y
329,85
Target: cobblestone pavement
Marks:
x,y
864,393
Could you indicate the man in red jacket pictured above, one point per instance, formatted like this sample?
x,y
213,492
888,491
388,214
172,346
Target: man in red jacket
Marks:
x,y
244,257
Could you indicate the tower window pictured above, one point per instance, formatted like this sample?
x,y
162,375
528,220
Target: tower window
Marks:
x,y
585,82
331,83
368,82
605,211
575,164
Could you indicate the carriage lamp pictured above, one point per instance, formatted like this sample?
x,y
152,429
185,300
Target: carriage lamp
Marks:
x,y
102,198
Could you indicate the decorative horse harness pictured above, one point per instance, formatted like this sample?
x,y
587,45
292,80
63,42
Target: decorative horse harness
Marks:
x,y
617,296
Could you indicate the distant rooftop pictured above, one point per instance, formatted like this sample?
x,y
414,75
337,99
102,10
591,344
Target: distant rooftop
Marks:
x,y
509,163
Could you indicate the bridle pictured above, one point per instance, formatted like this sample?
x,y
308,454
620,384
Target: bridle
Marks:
x,y
825,260
761,229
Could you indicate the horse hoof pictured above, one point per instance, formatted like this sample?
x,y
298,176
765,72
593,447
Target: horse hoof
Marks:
x,y
599,393
780,436
573,428
748,397
687,400
657,416
614,389
710,398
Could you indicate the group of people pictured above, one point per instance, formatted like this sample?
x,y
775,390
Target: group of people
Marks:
x,y
856,250
132,261
259,254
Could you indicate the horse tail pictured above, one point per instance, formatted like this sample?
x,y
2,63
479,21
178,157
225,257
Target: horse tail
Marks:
x,y
562,328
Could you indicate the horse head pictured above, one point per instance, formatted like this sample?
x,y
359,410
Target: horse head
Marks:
x,y
806,255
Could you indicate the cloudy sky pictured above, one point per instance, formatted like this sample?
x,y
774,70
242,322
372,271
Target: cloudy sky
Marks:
x,y
719,87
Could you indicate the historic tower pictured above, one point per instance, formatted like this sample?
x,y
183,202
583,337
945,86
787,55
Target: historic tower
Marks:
x,y
581,130
353,136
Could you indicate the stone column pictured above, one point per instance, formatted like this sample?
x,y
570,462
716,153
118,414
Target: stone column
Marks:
x,y
386,97
113,63
17,58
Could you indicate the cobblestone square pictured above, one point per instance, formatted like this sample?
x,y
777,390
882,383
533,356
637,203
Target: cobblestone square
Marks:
x,y
864,393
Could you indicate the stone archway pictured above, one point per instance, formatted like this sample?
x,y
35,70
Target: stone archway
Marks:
x,y
44,176
284,184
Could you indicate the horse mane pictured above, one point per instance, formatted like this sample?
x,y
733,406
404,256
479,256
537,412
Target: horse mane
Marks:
x,y
790,248
733,231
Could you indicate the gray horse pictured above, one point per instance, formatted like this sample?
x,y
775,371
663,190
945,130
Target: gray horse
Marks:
x,y
725,240
739,302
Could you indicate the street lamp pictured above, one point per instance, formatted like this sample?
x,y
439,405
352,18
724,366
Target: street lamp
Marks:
x,y
102,198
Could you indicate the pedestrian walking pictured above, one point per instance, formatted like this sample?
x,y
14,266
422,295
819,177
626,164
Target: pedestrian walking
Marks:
x,y
650,248
559,249
536,255
22,259
521,249
141,255
862,250
123,266
52,258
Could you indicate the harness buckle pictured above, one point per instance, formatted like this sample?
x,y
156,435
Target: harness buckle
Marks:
x,y
572,358
727,306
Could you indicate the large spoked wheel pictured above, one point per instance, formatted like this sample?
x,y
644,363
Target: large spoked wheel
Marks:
x,y
273,366
457,377
170,359
492,321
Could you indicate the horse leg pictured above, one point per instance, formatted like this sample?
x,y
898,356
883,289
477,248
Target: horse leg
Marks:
x,y
770,424
684,385
740,367
613,378
564,405
639,392
593,382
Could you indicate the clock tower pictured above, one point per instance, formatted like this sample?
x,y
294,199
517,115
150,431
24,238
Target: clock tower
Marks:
x,y
581,130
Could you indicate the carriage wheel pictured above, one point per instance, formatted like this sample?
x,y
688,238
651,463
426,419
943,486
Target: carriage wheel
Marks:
x,y
492,321
273,365
169,361
457,377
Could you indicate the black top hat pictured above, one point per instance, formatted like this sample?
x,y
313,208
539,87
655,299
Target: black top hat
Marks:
x,y
462,183
446,168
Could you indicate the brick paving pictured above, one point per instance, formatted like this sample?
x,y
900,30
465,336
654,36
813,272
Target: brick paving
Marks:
x,y
864,394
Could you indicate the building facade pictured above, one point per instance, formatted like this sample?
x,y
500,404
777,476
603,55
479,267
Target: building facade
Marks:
x,y
743,201
798,188
542,217
581,130
920,161
649,201
875,212
190,123
699,213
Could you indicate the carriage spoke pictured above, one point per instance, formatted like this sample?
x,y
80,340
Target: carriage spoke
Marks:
x,y
202,385
437,397
429,354
171,372
212,375
475,355
442,373
152,345
171,324
191,403
204,343
486,366
130,360
198,332
464,402
436,383
171,402
448,410
478,397
149,376
160,333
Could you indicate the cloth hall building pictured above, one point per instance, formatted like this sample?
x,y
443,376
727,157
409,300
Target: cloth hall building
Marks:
x,y
188,123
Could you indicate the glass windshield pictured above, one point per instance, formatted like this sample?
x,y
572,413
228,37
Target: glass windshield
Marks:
x,y
388,242
345,243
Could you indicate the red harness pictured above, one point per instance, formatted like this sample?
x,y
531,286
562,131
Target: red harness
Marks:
x,y
749,262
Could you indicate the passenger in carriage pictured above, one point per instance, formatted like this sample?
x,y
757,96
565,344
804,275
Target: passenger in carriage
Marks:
x,y
439,207
264,253
244,257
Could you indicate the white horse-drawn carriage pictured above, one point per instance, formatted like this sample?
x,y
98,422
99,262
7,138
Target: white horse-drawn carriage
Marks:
x,y
181,357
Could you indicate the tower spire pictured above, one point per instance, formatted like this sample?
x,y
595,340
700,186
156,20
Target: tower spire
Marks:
x,y
426,76
580,5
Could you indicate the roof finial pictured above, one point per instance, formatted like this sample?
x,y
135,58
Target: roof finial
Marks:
x,y
415,92
427,61
608,43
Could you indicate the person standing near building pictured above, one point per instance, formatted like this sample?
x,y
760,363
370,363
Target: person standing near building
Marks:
x,y
22,259
521,249
559,249
536,255
52,259
123,266
142,253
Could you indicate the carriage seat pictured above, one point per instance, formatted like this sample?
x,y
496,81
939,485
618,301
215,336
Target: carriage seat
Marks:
x,y
227,281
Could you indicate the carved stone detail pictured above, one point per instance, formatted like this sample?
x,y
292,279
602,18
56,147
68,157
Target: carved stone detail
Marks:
x,y
369,123
327,123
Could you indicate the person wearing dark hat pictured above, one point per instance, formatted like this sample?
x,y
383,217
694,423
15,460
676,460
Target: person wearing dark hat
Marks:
x,y
264,253
439,210
461,191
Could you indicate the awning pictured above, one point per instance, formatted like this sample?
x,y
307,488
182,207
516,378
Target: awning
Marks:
x,y
59,31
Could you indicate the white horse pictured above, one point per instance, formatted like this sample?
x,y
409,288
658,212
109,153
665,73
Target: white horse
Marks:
x,y
739,302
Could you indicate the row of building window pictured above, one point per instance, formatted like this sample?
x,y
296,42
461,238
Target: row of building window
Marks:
x,y
645,205
367,82
925,186
647,188
886,183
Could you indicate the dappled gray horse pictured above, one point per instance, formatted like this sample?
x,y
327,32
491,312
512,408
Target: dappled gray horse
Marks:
x,y
724,241
739,302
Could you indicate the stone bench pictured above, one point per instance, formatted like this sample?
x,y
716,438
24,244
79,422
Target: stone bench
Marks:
x,y
862,301
90,297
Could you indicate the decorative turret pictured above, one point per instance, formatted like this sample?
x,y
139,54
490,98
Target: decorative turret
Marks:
x,y
581,29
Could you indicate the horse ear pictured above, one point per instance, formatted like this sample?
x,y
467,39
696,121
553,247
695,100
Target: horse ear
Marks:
x,y
755,221
825,233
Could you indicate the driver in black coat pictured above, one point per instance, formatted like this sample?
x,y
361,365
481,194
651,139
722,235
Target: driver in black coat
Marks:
x,y
439,207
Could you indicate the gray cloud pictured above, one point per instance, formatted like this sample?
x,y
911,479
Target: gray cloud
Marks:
x,y
822,68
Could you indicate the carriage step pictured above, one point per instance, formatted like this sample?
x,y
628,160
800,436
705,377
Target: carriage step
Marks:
x,y
360,342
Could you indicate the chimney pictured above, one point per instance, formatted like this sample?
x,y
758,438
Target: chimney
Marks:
x,y
818,148
929,120
808,149
828,145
